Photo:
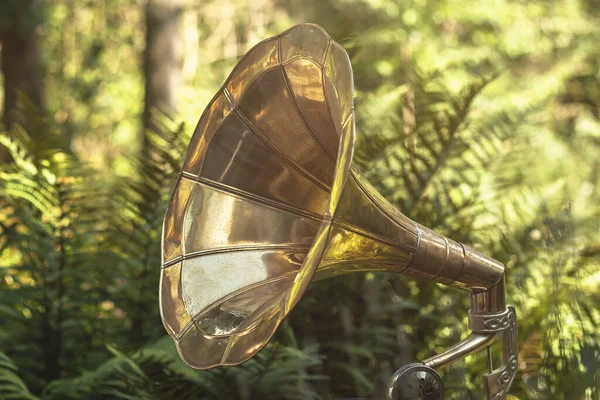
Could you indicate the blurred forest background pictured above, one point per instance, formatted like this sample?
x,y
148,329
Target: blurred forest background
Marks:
x,y
480,119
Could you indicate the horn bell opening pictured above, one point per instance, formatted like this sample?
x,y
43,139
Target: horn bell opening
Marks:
x,y
251,213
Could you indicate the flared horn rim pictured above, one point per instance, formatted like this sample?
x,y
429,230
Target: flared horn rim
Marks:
x,y
240,346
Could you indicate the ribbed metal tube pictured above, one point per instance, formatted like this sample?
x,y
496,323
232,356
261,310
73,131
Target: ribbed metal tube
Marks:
x,y
449,262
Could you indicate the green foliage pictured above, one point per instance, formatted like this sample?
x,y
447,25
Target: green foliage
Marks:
x,y
156,372
481,121
142,199
11,385
146,375
54,267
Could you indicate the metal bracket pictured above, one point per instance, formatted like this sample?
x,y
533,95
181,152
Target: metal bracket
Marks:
x,y
488,318
498,382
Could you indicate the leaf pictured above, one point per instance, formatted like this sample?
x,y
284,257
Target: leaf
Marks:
x,y
11,384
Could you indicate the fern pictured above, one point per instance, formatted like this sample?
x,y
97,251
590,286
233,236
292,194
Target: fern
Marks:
x,y
142,199
156,372
51,238
11,385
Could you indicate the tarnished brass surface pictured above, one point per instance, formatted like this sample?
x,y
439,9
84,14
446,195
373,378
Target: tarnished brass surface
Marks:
x,y
269,199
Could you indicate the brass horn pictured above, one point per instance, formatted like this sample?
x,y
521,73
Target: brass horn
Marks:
x,y
268,199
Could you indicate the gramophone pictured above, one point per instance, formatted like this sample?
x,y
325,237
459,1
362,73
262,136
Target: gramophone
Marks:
x,y
268,200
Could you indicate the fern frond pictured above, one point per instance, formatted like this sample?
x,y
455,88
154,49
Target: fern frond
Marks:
x,y
11,385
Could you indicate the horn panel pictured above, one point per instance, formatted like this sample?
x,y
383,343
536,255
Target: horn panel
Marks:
x,y
197,348
173,311
204,283
217,219
227,315
213,117
305,41
259,59
306,83
255,331
339,83
269,107
172,226
240,159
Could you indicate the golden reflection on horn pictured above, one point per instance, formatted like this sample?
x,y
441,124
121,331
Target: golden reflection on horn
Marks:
x,y
268,199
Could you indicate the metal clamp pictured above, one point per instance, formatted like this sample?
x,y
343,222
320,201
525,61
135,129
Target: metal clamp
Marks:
x,y
498,382
489,322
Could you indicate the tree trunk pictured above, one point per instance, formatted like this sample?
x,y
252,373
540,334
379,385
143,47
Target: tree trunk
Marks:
x,y
21,62
163,60
163,63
